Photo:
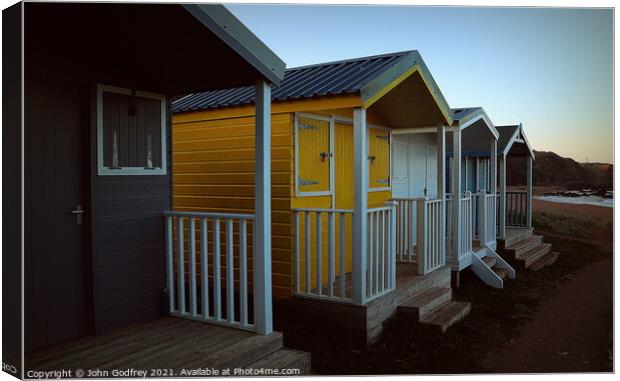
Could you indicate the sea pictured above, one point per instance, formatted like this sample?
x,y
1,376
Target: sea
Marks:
x,y
584,197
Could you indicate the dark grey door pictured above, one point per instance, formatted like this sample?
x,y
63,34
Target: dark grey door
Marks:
x,y
55,262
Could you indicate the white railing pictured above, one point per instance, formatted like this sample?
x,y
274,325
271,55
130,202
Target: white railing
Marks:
x,y
323,253
430,234
466,223
406,229
200,286
419,230
486,219
313,253
467,226
381,257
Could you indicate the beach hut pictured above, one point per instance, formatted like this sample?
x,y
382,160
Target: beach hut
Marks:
x,y
334,168
515,236
471,166
98,80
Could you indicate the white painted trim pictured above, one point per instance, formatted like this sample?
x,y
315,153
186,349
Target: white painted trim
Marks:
x,y
263,315
139,171
330,192
420,130
360,215
515,139
487,121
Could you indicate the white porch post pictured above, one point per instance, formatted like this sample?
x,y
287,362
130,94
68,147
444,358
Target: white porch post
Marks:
x,y
502,197
262,224
360,248
493,179
529,191
456,193
441,186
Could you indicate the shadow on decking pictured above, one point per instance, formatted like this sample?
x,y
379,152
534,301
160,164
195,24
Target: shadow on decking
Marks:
x,y
169,343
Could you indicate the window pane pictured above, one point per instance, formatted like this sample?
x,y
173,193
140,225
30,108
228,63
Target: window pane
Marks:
x,y
314,155
131,131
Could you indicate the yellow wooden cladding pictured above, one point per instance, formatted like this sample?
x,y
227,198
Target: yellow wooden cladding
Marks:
x,y
379,158
213,170
314,155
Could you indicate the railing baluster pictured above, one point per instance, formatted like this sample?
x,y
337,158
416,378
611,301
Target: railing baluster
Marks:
x,y
382,269
343,266
319,250
331,255
296,243
243,271
204,263
217,279
169,262
369,270
181,265
307,252
230,272
192,266
206,307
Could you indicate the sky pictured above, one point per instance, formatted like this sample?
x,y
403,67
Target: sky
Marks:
x,y
549,68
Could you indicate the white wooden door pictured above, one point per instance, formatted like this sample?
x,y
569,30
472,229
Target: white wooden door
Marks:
x,y
400,165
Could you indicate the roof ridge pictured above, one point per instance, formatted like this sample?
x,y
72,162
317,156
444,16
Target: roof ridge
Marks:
x,y
328,63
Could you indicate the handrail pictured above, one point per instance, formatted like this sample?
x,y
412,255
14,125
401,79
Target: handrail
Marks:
x,y
240,216
322,210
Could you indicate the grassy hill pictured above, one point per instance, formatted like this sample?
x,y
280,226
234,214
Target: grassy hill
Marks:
x,y
551,169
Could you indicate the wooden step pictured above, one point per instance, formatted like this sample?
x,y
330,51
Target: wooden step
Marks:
x,y
521,247
424,303
502,273
533,255
490,260
522,235
545,261
284,359
447,315
246,351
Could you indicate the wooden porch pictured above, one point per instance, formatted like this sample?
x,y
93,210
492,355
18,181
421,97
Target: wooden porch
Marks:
x,y
362,324
170,347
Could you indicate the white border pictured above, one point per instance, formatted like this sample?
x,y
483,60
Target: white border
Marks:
x,y
140,171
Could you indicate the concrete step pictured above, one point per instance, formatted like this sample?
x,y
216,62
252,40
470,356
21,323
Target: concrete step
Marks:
x,y
534,254
489,260
447,315
283,359
545,261
246,351
521,247
502,273
423,304
524,234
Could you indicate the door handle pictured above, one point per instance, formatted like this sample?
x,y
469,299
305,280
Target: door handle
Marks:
x,y
78,213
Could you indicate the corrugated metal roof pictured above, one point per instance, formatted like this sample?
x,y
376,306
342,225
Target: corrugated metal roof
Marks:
x,y
461,113
330,78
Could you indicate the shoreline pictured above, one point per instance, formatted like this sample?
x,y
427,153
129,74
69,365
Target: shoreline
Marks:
x,y
564,207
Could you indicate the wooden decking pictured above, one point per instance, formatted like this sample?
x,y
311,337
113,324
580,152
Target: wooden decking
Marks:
x,y
180,346
362,324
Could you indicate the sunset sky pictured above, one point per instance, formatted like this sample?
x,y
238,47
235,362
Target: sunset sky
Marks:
x,y
550,69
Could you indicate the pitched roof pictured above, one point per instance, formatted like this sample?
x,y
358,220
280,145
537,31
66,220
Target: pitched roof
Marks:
x,y
507,138
238,37
465,116
365,75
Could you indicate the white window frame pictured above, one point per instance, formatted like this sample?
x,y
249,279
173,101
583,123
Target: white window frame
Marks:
x,y
141,171
331,120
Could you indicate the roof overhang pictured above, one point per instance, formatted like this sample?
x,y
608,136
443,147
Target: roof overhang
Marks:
x,y
407,88
227,27
474,115
170,49
518,137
